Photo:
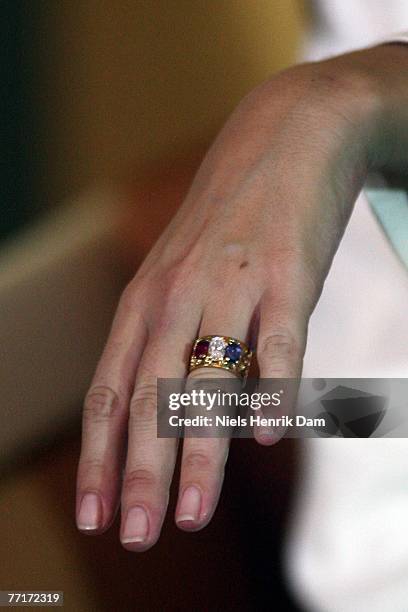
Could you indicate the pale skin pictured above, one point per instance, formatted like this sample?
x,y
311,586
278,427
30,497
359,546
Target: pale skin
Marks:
x,y
245,256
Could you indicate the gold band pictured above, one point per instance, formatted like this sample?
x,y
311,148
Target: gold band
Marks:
x,y
221,352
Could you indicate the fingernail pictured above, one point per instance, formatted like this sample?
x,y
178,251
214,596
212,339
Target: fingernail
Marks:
x,y
190,505
266,435
90,512
136,525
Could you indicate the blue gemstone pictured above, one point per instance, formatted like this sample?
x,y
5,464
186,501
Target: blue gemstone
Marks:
x,y
233,352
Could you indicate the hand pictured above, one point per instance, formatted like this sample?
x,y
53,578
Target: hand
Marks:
x,y
246,255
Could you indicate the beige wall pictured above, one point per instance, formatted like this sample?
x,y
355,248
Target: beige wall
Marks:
x,y
127,82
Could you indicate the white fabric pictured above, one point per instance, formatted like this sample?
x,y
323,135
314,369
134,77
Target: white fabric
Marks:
x,y
347,550
344,25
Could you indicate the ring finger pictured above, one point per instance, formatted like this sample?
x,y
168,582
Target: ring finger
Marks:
x,y
203,459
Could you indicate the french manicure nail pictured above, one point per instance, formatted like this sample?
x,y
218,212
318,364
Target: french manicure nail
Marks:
x,y
90,512
136,525
190,505
266,434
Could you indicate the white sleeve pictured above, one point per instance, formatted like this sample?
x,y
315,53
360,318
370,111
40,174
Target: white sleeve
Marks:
x,y
396,38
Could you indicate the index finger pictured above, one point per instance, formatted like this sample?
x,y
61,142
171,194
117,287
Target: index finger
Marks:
x,y
105,418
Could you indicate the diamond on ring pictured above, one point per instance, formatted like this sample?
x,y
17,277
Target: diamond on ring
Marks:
x,y
217,346
221,352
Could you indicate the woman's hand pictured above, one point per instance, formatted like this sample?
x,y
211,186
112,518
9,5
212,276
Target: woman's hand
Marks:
x,y
246,255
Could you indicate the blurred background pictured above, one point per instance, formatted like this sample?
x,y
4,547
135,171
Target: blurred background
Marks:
x,y
107,110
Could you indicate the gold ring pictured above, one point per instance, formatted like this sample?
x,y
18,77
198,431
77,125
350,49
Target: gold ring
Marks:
x,y
221,352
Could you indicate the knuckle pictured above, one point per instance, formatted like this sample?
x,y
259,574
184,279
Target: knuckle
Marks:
x,y
278,349
166,317
176,285
95,471
281,341
101,404
198,460
92,464
143,405
128,295
90,467
176,289
286,261
139,478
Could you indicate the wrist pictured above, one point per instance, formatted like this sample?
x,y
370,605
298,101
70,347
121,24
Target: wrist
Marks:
x,y
370,87
351,96
339,102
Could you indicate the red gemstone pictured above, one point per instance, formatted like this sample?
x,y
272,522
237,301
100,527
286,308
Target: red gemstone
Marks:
x,y
201,349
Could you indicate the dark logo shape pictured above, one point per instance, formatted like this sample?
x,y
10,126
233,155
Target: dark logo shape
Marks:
x,y
351,413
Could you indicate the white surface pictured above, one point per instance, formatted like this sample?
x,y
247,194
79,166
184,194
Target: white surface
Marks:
x,y
347,550
345,25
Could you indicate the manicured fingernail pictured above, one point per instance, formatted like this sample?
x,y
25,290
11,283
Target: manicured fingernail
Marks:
x,y
136,525
90,512
190,505
266,435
